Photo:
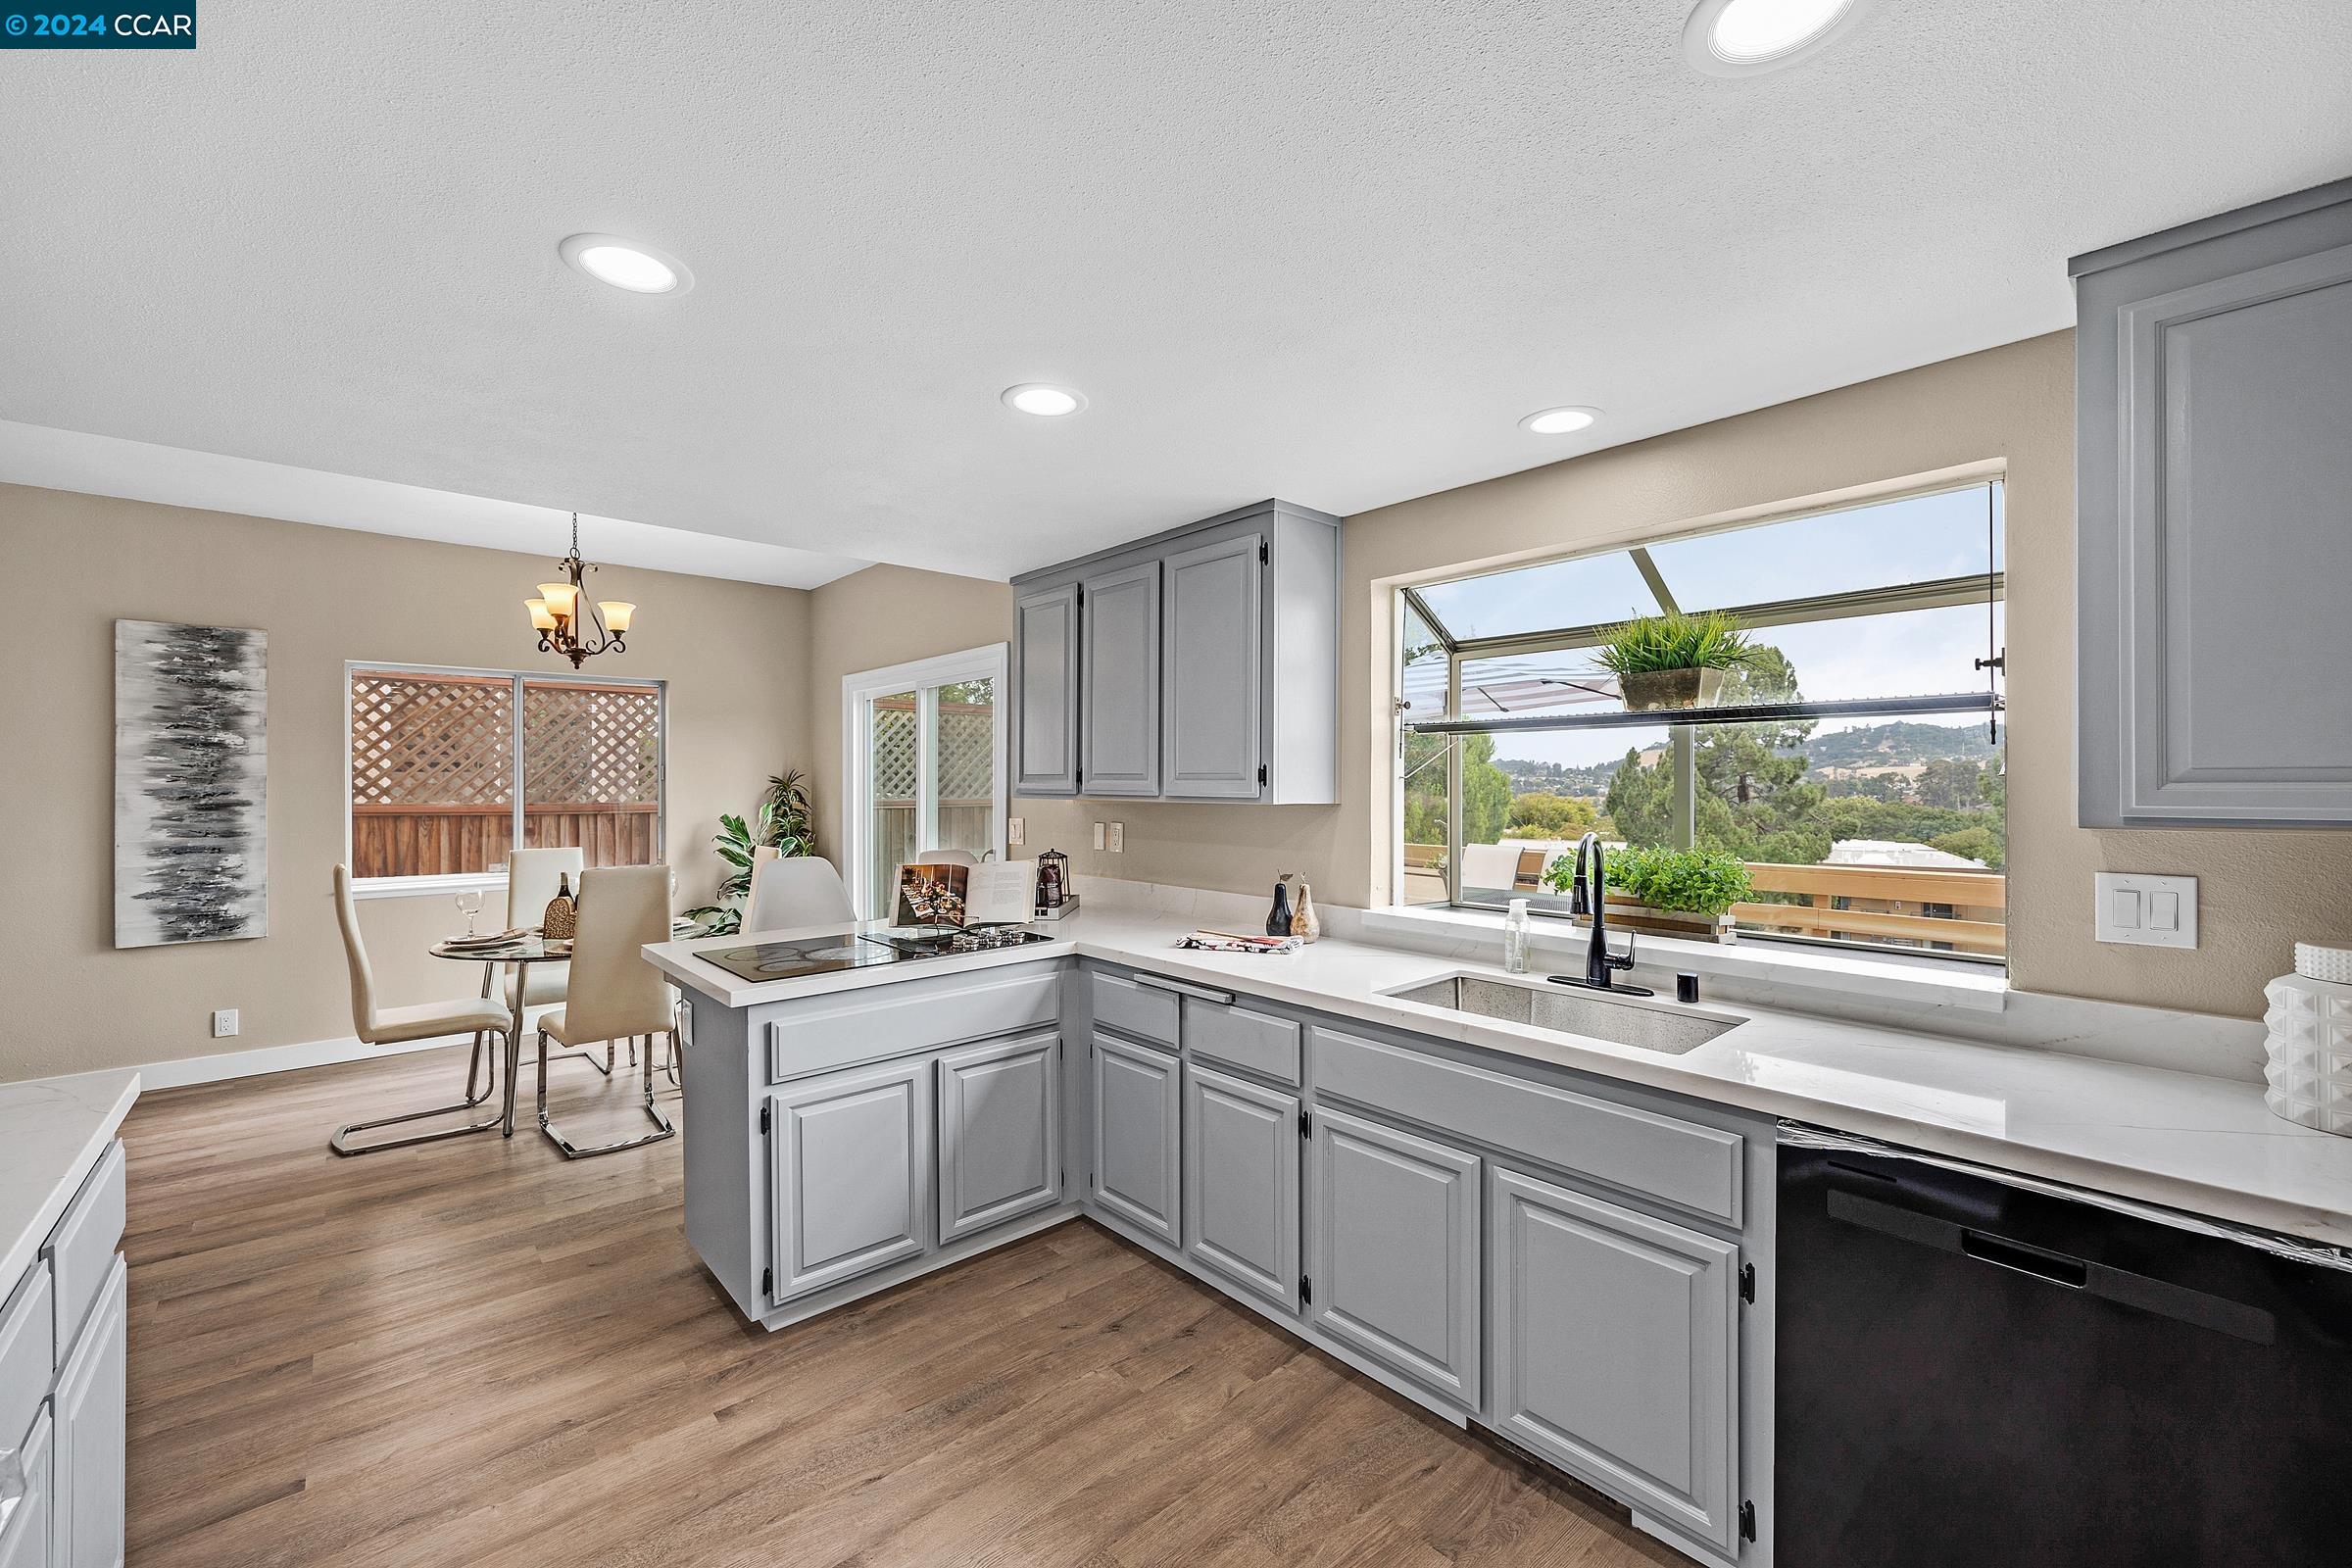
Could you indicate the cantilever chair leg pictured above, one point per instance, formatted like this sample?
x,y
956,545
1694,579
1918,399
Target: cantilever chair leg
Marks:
x,y
662,1126
341,1140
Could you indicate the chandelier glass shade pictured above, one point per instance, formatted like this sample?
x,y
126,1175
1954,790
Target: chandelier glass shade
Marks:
x,y
567,622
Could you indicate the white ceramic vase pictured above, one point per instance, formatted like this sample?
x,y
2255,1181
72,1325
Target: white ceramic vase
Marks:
x,y
2310,1051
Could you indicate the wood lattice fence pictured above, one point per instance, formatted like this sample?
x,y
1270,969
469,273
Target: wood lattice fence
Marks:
x,y
434,758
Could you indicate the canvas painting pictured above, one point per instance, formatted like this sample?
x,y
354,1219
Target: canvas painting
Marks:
x,y
191,753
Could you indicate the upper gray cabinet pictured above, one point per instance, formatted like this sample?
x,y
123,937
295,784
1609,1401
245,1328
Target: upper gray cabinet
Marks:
x,y
1118,722
1204,664
2214,438
1045,691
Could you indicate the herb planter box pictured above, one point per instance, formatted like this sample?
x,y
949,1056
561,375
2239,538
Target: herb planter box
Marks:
x,y
1627,914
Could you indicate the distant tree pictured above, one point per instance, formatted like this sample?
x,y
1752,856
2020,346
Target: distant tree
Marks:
x,y
1485,792
1549,816
1955,782
1980,844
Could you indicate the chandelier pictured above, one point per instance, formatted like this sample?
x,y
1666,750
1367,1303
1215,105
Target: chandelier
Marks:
x,y
561,612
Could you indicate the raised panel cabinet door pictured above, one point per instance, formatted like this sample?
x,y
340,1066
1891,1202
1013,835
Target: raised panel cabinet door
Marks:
x,y
88,1439
1118,669
1241,1182
1136,1111
1392,1250
1211,744
853,1173
1000,1132
1045,690
1616,1351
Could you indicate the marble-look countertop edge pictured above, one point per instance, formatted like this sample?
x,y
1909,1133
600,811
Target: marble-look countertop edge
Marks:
x,y
2108,1126
30,1230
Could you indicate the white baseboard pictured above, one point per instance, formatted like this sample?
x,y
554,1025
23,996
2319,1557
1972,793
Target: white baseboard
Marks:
x,y
155,1075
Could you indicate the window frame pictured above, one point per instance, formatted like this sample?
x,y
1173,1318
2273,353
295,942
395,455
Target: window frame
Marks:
x,y
858,689
1408,601
399,887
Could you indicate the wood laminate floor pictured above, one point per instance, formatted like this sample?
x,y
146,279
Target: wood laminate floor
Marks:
x,y
478,1354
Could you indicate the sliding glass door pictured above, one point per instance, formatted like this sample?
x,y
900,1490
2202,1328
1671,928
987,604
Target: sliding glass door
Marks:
x,y
925,765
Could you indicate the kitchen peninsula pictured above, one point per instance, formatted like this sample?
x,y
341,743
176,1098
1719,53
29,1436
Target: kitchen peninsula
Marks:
x,y
1361,1144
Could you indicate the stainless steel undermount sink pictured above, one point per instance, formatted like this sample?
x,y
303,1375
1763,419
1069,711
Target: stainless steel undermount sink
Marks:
x,y
1667,1027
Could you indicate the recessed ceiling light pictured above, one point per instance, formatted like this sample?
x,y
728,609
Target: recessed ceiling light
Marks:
x,y
627,264
1036,397
1558,421
1740,38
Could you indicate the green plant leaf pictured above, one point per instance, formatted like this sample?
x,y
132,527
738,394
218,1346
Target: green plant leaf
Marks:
x,y
1709,640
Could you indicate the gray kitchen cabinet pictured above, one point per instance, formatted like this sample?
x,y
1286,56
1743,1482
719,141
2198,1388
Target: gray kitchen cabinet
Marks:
x,y
1118,727
1241,1182
1137,1111
1000,1132
2214,456
1393,1238
1223,687
1209,734
851,1187
1616,1351
1045,691
25,1538
87,1461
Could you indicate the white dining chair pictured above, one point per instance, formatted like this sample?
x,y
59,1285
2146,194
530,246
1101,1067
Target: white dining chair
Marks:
x,y
532,878
796,891
616,994
479,1017
764,856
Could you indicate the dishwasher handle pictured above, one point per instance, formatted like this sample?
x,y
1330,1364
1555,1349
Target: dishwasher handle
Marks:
x,y
2142,1291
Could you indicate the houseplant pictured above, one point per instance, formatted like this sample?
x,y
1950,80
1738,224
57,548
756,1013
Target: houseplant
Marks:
x,y
1673,660
1684,893
782,823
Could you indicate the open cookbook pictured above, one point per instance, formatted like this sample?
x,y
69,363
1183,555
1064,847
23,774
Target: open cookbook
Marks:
x,y
942,892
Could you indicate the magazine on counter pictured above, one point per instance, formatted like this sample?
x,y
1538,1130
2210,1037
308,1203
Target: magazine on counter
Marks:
x,y
940,893
1233,942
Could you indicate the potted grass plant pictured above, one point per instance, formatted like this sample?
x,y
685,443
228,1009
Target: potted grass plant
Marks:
x,y
1674,661
1675,893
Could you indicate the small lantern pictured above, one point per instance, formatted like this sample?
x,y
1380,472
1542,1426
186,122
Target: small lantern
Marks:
x,y
1053,879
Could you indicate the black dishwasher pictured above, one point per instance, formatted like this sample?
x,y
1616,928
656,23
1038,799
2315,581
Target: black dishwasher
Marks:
x,y
1975,1369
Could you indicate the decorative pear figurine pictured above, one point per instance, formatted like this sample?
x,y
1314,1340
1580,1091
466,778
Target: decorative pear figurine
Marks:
x,y
1305,924
562,912
1278,923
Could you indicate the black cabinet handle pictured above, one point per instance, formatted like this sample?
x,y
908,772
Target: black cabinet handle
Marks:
x,y
2056,1267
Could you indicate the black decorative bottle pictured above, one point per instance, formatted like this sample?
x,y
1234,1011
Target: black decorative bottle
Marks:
x,y
1278,923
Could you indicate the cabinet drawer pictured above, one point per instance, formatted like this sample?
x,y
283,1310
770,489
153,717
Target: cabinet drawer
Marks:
x,y
1693,1168
25,1543
1135,1008
1258,1042
27,1352
852,1027
83,1246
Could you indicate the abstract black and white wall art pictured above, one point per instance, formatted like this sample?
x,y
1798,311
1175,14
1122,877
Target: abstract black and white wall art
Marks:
x,y
191,755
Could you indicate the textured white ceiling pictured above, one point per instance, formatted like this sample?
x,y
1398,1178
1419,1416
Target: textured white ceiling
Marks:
x,y
1327,251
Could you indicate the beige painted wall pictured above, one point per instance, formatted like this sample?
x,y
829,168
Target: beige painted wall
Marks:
x,y
2010,407
73,565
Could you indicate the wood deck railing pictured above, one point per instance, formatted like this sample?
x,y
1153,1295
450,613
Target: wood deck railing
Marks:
x,y
410,840
1964,911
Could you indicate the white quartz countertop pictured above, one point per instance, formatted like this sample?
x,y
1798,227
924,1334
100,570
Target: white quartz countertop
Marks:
x,y
52,1131
2205,1144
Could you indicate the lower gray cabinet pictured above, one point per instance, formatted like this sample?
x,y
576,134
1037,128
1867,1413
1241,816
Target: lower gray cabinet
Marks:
x,y
1616,1353
1000,1132
1241,1182
87,1459
1392,1250
853,1173
1136,1115
25,1542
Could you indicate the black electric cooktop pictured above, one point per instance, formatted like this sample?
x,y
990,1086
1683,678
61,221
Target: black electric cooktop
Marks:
x,y
783,961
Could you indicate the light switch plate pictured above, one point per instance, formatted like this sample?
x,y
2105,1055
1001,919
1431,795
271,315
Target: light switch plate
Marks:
x,y
1118,838
1016,831
2148,911
1098,835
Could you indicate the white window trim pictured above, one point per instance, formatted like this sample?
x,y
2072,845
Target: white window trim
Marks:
x,y
416,887
857,691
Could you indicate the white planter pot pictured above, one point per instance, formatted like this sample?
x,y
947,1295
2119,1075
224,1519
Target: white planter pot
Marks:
x,y
2310,1051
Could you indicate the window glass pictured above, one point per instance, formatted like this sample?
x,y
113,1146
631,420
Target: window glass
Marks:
x,y
592,770
1918,539
1583,592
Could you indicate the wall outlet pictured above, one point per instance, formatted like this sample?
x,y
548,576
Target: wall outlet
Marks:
x,y
224,1022
2148,911
1016,831
1118,838
1098,835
